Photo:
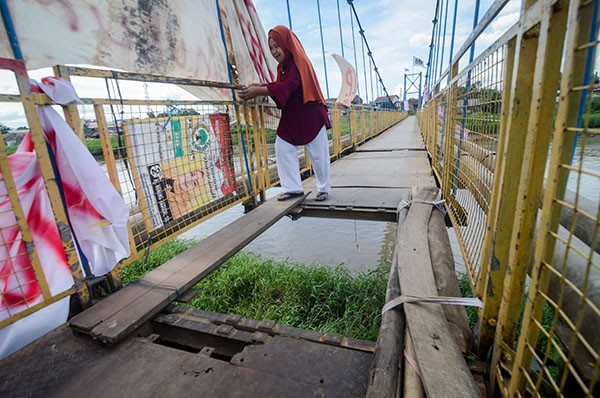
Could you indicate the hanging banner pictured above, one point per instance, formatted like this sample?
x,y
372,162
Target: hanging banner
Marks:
x,y
349,82
167,38
183,163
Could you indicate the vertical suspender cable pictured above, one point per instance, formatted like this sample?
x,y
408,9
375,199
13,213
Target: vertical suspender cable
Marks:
x,y
437,46
452,38
364,67
444,37
10,30
368,49
371,76
430,60
234,96
323,48
289,13
587,78
354,47
340,26
465,100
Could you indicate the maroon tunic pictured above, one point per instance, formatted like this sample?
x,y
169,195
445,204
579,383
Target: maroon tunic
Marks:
x,y
300,123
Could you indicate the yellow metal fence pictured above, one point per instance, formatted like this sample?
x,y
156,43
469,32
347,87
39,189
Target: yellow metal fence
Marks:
x,y
514,138
175,163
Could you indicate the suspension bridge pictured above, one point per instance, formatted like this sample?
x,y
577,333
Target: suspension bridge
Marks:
x,y
503,148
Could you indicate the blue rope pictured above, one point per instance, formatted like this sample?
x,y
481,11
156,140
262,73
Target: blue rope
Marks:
x,y
323,48
340,26
289,13
234,96
444,37
589,64
10,30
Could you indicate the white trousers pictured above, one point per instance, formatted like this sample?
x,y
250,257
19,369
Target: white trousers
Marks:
x,y
288,165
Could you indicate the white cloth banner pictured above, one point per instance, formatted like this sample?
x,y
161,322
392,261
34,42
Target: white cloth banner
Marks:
x,y
168,38
97,213
349,82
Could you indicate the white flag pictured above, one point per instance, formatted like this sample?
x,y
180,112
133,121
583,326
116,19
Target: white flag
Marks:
x,y
418,62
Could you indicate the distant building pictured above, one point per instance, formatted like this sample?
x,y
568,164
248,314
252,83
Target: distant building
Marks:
x,y
384,102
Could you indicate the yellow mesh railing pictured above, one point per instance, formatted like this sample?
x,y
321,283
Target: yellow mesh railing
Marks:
x,y
175,163
513,138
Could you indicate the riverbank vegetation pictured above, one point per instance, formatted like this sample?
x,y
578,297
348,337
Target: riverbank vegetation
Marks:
x,y
316,297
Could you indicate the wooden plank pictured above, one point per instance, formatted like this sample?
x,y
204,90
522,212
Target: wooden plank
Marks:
x,y
374,198
116,316
444,371
404,135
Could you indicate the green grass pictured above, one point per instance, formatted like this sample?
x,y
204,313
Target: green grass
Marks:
x,y
95,145
316,297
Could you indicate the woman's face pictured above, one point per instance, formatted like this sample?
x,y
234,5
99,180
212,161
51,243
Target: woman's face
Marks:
x,y
276,51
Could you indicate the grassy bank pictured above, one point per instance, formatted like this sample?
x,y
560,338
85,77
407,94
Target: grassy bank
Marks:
x,y
316,297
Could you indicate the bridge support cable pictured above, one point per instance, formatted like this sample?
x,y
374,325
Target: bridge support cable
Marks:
x,y
444,37
323,48
230,74
431,47
289,13
354,48
362,32
340,27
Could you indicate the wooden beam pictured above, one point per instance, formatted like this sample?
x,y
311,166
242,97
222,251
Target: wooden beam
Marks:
x,y
114,318
444,371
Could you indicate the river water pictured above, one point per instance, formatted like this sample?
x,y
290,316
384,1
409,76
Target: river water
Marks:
x,y
357,245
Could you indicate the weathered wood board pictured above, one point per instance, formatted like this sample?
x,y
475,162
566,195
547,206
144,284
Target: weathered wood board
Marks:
x,y
444,371
115,317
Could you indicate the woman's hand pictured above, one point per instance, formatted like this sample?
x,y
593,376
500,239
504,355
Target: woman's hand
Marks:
x,y
253,90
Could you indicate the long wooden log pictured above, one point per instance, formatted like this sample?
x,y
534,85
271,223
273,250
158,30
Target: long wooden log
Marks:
x,y
446,282
384,373
444,371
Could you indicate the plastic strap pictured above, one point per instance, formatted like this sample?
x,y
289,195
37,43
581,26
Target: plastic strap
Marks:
x,y
466,301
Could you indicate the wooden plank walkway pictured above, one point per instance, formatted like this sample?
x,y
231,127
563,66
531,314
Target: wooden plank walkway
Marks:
x,y
160,350
369,182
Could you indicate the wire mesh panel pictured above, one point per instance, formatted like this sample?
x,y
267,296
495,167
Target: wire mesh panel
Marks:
x,y
559,346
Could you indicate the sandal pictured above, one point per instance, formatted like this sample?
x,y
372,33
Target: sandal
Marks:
x,y
321,196
289,195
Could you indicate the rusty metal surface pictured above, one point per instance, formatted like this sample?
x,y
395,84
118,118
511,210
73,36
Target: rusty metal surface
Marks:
x,y
187,352
334,368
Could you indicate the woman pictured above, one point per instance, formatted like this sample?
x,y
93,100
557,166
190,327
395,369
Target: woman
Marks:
x,y
304,118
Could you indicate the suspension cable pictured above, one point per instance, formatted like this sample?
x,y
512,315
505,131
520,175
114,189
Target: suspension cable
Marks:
x,y
340,26
364,67
354,48
289,13
323,48
444,37
230,73
362,32
430,60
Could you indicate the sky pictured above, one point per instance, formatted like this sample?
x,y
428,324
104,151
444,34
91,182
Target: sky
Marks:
x,y
396,32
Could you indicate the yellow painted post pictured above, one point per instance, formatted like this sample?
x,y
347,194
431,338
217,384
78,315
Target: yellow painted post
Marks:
x,y
241,150
260,161
363,124
39,143
107,150
353,127
580,21
335,124
70,111
21,220
263,132
489,273
249,153
541,49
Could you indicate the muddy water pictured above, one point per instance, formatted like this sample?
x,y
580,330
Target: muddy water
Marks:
x,y
357,245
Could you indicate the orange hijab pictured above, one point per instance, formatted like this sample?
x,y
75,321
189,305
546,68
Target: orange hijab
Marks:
x,y
288,41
